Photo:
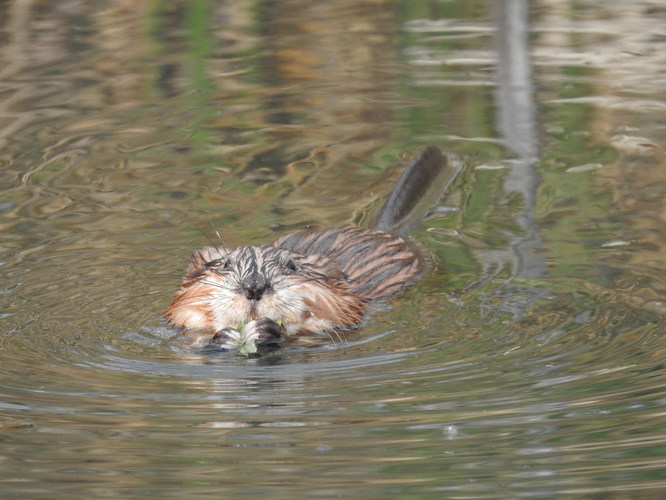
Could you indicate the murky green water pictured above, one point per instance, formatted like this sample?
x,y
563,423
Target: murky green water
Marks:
x,y
528,363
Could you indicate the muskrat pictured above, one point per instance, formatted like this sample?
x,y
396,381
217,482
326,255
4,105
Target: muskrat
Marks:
x,y
308,281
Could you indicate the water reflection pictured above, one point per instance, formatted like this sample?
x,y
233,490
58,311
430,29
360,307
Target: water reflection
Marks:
x,y
529,359
516,112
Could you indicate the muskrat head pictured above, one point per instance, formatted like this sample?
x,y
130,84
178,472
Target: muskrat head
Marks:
x,y
226,288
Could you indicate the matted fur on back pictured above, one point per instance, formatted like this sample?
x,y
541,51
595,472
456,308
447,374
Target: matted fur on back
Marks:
x,y
375,264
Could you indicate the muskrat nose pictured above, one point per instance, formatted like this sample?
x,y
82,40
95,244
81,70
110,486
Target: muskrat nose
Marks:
x,y
254,287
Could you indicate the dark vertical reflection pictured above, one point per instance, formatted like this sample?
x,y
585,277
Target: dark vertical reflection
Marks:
x,y
518,125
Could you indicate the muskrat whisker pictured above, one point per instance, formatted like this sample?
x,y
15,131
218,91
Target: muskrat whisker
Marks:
x,y
204,234
219,236
329,334
219,285
194,301
321,278
291,307
222,305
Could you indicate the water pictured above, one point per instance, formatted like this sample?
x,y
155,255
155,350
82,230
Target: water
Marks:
x,y
529,362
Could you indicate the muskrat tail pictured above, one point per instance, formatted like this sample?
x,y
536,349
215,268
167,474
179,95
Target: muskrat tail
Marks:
x,y
420,186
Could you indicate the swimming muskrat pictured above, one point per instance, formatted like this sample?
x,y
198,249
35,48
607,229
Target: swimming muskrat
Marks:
x,y
308,281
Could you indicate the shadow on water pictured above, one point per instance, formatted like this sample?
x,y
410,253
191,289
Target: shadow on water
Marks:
x,y
529,360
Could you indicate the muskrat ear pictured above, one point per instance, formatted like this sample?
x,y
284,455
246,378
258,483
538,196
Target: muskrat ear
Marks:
x,y
334,272
328,268
201,257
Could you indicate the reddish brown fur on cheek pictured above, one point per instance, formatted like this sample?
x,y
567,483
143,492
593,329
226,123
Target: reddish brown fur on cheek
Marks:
x,y
341,309
191,306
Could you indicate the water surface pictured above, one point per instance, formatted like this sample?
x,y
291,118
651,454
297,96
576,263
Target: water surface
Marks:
x,y
529,362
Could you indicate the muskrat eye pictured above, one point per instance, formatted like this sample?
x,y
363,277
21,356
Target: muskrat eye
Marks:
x,y
224,263
290,265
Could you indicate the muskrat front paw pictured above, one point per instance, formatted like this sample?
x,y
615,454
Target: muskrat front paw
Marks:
x,y
264,330
225,340
259,333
